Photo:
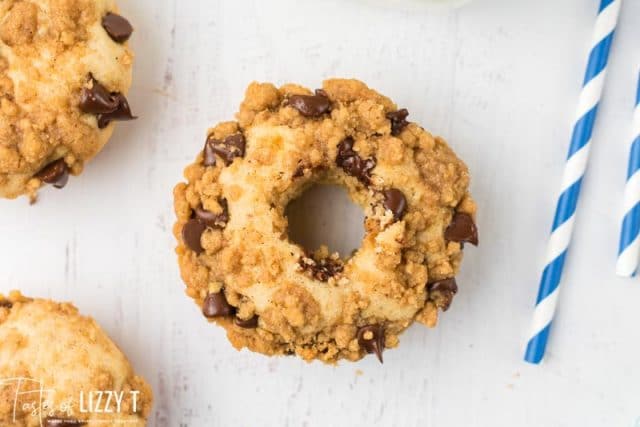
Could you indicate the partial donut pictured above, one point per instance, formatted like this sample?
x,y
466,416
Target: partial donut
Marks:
x,y
54,366
65,69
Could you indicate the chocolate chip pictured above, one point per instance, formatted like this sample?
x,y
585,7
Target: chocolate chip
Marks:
x,y
462,229
398,121
299,172
108,106
345,150
200,220
311,105
352,163
5,304
231,147
118,28
442,292
247,324
191,234
56,173
322,269
371,339
216,305
211,219
97,99
63,422
395,201
122,112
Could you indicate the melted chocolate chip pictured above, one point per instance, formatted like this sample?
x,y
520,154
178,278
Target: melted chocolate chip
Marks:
x,y
398,121
97,99
122,112
247,324
299,172
191,234
108,106
371,339
6,304
62,422
395,201
211,219
311,105
216,305
352,163
118,28
462,229
231,147
442,292
322,269
345,151
56,173
201,219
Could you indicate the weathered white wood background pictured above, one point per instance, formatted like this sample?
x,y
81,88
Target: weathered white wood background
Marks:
x,y
498,78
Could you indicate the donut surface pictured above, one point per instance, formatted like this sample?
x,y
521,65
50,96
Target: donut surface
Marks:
x,y
266,291
64,71
47,346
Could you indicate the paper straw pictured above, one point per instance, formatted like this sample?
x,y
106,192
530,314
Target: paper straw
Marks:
x,y
572,180
629,250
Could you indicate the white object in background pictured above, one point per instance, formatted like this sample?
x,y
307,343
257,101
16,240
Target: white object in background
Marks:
x,y
418,4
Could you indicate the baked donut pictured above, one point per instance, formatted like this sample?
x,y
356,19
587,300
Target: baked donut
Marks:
x,y
59,369
65,68
268,292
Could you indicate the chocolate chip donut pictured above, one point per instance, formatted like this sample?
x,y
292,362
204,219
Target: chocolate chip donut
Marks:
x,y
268,292
59,369
64,71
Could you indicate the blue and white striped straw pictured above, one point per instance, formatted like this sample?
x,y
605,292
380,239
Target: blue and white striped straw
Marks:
x,y
629,250
572,180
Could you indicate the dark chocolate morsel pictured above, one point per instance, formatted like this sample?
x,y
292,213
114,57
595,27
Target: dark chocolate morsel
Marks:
x,y
56,173
462,229
229,148
121,113
211,219
311,105
398,121
248,323
107,106
200,220
299,172
371,339
395,201
97,99
216,305
118,28
442,292
5,304
191,234
352,163
345,148
63,422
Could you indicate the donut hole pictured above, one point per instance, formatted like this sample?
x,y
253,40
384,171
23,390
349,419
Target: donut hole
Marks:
x,y
325,215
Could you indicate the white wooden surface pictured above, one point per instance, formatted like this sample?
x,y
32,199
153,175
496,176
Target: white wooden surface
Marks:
x,y
498,78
